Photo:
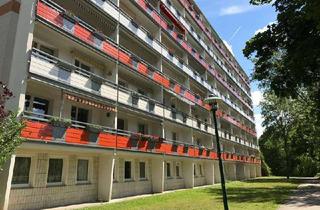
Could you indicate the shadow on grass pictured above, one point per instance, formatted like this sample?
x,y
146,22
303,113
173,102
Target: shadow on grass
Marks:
x,y
276,194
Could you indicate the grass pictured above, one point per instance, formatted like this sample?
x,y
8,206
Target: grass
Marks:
x,y
263,193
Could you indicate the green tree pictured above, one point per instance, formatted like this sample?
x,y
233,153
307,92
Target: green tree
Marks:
x,y
10,127
287,54
290,143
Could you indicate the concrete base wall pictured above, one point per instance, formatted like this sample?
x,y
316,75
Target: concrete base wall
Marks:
x,y
103,185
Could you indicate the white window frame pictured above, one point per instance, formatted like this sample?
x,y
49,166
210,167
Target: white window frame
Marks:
x,y
31,180
170,165
90,170
178,164
65,165
145,170
132,170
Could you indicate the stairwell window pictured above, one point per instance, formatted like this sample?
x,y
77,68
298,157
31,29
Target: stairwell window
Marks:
x,y
21,171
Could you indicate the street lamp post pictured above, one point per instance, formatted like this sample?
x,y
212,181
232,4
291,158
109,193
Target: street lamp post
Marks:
x,y
213,101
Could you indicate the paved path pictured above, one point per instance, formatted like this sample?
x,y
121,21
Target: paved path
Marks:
x,y
306,197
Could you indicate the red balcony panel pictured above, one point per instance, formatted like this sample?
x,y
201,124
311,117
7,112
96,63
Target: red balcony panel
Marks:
x,y
189,96
83,34
37,131
191,152
196,152
123,142
207,106
75,135
110,50
168,13
125,58
48,13
177,88
107,140
143,69
163,148
213,155
142,145
165,82
180,150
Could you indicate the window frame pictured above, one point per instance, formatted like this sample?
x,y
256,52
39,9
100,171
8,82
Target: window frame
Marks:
x,y
145,171
89,172
63,173
131,170
170,170
31,172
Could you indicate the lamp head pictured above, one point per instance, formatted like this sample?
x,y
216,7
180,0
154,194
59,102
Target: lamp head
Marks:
x,y
213,101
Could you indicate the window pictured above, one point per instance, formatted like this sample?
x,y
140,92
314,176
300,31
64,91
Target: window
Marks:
x,y
178,170
142,168
55,170
81,65
142,128
79,114
142,92
168,170
40,107
82,170
127,170
122,83
21,170
200,170
47,50
174,136
120,123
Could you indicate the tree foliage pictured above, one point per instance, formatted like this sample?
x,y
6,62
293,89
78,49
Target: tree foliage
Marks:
x,y
287,54
290,143
10,127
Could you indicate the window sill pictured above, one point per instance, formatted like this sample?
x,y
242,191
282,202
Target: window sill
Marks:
x,y
128,180
143,179
83,183
55,184
20,186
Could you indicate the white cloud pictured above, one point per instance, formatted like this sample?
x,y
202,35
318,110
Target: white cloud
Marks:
x,y
236,9
259,119
229,46
260,30
257,97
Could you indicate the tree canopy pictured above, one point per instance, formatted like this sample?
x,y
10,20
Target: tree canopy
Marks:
x,y
286,59
287,54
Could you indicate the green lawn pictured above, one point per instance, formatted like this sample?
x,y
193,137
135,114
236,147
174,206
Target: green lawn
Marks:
x,y
259,194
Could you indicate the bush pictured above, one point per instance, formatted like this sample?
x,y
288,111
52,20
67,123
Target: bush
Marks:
x,y
306,166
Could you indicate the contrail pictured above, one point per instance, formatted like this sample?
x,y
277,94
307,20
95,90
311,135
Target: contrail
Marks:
x,y
235,33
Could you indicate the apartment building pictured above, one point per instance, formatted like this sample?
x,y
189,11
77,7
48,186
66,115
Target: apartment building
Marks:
x,y
112,95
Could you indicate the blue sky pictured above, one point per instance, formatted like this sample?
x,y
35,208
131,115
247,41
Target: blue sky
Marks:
x,y
236,21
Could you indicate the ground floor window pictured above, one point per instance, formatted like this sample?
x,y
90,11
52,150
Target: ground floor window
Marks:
x,y
21,170
82,170
142,168
127,170
168,169
178,170
55,170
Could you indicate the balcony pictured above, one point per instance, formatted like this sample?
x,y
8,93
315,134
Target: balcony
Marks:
x,y
53,130
86,34
142,34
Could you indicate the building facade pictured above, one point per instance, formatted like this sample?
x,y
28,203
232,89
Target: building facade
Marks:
x,y
112,95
